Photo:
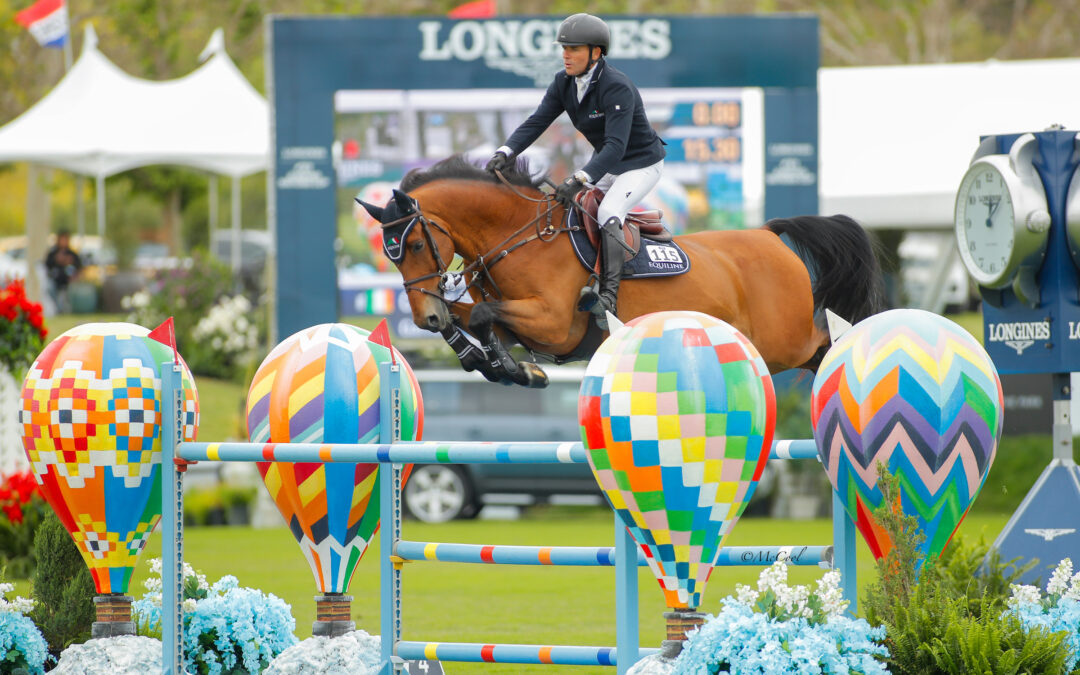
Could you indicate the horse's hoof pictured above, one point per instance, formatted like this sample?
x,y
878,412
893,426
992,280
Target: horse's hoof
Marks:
x,y
535,377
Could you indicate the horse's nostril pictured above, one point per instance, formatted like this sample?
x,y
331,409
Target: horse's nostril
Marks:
x,y
433,320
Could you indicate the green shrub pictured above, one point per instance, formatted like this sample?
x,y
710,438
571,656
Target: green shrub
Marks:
x,y
62,587
938,621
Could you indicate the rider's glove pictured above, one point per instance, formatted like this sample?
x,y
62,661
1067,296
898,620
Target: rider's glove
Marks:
x,y
499,162
568,189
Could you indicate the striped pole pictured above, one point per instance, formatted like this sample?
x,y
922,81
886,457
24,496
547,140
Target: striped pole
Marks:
x,y
601,556
424,452
510,653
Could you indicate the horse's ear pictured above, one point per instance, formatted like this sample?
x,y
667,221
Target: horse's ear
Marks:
x,y
375,212
405,202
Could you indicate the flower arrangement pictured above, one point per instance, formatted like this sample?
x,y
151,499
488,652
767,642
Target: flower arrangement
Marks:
x,y
218,334
23,509
225,340
22,649
22,331
1058,611
777,628
227,628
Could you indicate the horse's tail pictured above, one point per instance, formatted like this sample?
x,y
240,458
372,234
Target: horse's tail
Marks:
x,y
840,257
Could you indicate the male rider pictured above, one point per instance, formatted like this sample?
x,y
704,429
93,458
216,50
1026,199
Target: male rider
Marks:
x,y
605,106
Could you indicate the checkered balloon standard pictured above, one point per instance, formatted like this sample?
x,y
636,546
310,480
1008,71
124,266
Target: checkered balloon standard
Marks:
x,y
321,385
677,413
90,418
915,391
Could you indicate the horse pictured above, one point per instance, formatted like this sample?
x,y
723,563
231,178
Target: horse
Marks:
x,y
522,278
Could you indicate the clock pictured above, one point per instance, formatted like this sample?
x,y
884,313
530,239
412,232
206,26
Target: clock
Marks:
x,y
1001,216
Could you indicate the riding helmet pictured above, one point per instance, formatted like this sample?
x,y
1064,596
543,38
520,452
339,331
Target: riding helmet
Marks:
x,y
584,29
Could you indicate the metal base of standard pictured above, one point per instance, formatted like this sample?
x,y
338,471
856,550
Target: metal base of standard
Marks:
x,y
679,623
113,616
333,613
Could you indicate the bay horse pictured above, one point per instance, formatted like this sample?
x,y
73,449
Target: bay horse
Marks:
x,y
772,283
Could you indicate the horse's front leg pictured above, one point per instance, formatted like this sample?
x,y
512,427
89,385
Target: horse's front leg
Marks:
x,y
482,319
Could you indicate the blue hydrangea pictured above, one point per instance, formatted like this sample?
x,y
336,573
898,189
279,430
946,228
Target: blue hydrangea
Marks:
x,y
22,644
1064,615
740,640
231,629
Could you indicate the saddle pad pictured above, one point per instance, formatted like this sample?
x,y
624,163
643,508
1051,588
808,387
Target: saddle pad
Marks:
x,y
655,259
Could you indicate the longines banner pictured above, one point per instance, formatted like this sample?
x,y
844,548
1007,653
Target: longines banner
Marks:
x,y
312,58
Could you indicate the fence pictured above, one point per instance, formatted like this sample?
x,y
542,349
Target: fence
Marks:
x,y
395,551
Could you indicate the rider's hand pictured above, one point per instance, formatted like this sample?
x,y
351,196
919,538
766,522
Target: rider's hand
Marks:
x,y
498,162
566,192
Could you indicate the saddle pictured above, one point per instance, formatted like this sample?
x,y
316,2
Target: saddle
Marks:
x,y
636,225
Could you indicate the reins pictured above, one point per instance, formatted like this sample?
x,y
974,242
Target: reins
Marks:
x,y
479,269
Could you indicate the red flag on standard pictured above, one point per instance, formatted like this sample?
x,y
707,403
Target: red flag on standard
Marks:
x,y
478,9
47,21
166,335
381,336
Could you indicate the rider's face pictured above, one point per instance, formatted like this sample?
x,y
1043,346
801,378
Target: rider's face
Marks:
x,y
576,59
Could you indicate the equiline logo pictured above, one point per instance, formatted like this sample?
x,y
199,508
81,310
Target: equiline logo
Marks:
x,y
528,47
1020,334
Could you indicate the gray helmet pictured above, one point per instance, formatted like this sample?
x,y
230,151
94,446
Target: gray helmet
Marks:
x,y
584,29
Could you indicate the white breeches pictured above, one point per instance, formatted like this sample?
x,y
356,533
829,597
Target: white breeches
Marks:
x,y
625,191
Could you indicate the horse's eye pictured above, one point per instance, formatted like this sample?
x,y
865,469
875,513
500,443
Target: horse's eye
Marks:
x,y
416,246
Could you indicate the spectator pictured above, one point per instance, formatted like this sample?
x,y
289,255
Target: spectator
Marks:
x,y
61,265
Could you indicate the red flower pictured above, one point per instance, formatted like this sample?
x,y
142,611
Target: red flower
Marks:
x,y
13,512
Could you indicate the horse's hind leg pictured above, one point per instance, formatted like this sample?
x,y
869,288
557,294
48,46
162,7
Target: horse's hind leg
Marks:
x,y
482,325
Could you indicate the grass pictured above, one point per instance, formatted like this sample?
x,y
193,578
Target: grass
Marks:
x,y
534,605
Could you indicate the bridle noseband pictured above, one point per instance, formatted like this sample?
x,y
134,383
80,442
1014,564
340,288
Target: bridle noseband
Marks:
x,y
479,269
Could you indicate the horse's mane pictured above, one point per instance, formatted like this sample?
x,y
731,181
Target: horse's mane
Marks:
x,y
460,168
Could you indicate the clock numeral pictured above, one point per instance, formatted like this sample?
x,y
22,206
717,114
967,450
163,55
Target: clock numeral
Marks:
x,y
971,246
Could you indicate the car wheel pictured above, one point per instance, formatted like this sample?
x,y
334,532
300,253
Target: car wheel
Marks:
x,y
436,493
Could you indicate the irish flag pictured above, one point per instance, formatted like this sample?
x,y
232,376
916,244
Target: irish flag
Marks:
x,y
47,21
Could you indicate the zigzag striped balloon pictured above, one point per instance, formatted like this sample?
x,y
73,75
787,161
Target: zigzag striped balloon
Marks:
x,y
321,385
677,413
913,390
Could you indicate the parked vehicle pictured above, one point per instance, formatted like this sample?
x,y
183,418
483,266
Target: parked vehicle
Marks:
x,y
460,406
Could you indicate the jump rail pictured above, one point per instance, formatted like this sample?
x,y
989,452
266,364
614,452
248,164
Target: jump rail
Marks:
x,y
624,556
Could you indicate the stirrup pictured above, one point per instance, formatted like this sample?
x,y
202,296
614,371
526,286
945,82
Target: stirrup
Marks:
x,y
589,297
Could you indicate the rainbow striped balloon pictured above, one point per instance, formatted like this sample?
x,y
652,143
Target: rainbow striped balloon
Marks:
x,y
677,413
321,385
90,421
915,391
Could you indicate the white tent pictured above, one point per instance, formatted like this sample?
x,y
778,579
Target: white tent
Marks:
x,y
896,140
99,121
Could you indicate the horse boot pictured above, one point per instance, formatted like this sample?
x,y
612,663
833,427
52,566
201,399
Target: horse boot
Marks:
x,y
603,297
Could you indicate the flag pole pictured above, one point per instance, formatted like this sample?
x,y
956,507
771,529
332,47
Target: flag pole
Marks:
x,y
80,180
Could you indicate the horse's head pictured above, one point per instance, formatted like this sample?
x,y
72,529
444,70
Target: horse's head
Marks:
x,y
421,249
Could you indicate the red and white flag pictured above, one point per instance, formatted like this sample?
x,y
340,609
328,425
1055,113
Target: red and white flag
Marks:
x,y
47,21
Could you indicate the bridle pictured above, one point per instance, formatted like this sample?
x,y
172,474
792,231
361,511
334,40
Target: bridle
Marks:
x,y
478,272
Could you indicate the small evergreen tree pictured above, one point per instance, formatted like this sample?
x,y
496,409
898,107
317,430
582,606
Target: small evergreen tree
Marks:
x,y
63,588
938,622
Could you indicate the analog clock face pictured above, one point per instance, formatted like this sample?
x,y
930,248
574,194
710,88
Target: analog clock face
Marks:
x,y
984,223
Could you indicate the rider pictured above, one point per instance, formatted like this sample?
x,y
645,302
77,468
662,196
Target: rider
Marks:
x,y
605,106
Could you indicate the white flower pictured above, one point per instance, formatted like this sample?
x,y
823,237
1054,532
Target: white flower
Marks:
x,y
152,584
1059,581
746,595
773,577
832,598
155,566
1023,594
189,604
125,302
1074,588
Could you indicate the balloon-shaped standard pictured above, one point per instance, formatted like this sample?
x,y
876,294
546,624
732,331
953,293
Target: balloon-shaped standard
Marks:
x,y
917,392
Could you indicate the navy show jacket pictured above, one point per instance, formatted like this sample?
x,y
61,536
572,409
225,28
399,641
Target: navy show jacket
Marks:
x,y
610,115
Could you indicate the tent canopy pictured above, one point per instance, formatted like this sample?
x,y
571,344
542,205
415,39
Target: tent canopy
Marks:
x,y
896,140
98,120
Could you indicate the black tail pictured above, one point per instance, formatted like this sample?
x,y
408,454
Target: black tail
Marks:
x,y
840,258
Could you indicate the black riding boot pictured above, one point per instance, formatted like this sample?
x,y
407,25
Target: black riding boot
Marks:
x,y
604,297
